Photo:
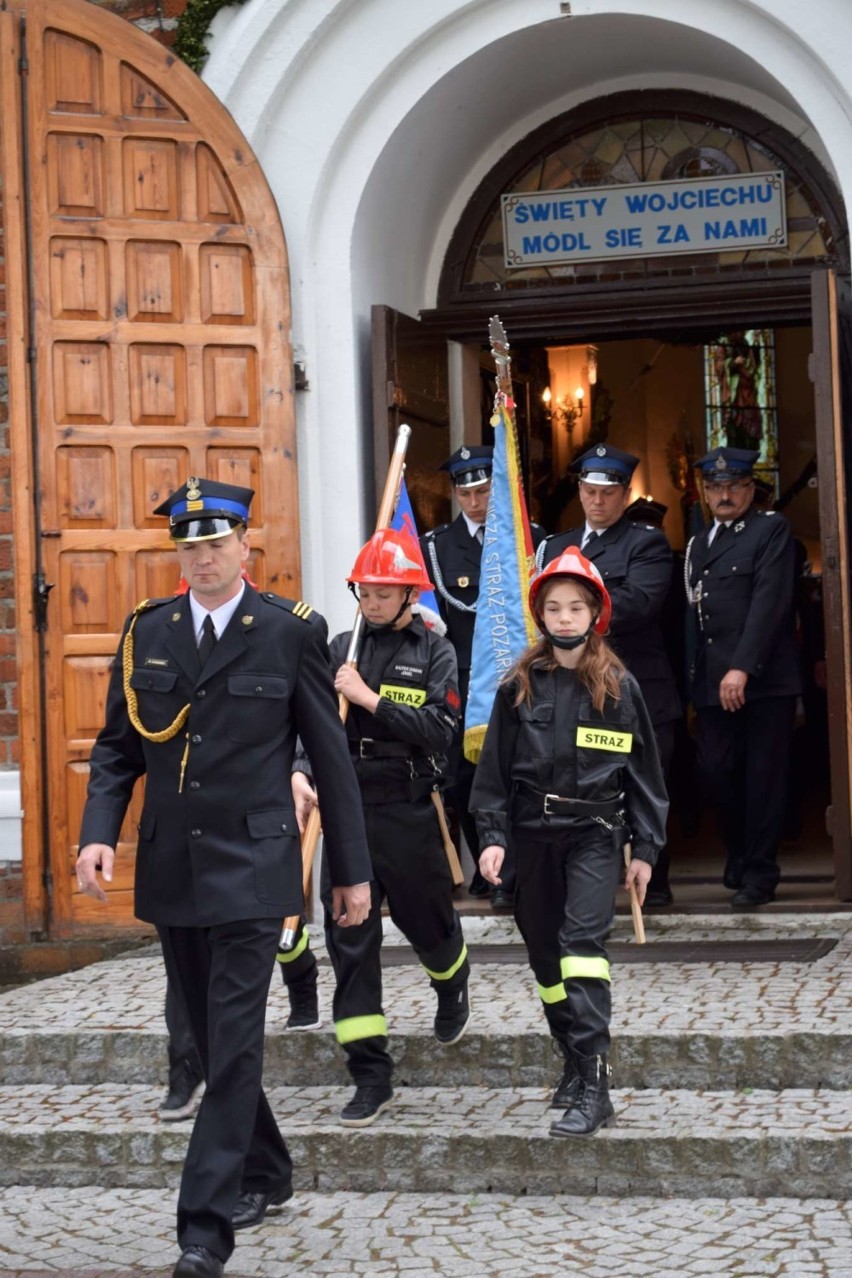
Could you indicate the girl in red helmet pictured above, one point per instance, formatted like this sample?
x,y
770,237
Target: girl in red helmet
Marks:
x,y
403,716
570,772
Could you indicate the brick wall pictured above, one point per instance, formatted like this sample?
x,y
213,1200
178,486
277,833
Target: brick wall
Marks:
x,y
156,17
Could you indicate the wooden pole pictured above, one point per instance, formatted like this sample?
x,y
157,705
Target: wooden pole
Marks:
x,y
635,907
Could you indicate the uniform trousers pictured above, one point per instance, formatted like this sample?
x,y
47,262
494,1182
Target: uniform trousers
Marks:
x,y
664,734
744,759
410,871
221,975
564,907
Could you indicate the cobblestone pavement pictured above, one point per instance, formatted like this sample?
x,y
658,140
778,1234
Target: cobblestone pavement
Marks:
x,y
667,997
128,1234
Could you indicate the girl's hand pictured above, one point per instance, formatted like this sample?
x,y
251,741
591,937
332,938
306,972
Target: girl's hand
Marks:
x,y
638,872
490,863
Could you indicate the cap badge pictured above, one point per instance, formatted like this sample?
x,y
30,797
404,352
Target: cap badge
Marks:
x,y
193,491
464,453
721,463
600,451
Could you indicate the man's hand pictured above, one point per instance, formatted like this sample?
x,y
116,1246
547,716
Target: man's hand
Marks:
x,y
94,857
350,905
491,862
638,872
732,690
349,682
304,798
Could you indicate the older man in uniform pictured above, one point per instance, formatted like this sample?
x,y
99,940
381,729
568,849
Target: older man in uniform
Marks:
x,y
206,699
453,555
741,580
635,562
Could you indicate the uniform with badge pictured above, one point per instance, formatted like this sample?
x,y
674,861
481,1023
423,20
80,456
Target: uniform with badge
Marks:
x,y
568,774
453,555
740,577
399,752
635,561
212,725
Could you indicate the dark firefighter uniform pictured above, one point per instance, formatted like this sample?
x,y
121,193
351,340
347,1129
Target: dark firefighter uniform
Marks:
x,y
400,755
569,786
218,861
453,557
741,585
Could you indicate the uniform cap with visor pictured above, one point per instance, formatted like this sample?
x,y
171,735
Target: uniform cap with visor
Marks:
x,y
606,465
470,466
724,463
203,509
571,563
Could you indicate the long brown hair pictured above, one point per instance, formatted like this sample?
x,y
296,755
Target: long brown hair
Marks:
x,y
599,669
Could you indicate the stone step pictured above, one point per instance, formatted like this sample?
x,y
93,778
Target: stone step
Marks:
x,y
680,1058
459,1140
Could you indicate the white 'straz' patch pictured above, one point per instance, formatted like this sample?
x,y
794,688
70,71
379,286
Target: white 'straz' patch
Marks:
x,y
604,739
404,696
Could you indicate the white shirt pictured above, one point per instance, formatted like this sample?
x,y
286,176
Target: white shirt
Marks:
x,y
221,615
717,524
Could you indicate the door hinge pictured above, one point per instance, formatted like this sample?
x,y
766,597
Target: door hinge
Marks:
x,y
41,590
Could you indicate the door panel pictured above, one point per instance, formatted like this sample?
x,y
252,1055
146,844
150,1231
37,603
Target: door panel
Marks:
x,y
832,364
162,349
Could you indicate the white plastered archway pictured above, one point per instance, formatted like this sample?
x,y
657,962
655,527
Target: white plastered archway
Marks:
x,y
375,120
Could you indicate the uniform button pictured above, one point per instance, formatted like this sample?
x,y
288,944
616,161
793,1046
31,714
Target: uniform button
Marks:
x,y
706,572
706,594
196,834
202,692
734,568
709,640
195,738
283,826
195,785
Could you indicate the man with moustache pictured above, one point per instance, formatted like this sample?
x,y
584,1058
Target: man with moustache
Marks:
x,y
635,561
208,693
740,576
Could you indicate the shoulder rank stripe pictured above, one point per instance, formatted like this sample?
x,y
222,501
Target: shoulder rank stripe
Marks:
x,y
302,610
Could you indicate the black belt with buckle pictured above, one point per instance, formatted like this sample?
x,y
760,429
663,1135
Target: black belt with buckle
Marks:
x,y
367,748
556,805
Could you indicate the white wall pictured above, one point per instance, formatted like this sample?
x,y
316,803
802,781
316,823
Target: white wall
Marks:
x,y
375,120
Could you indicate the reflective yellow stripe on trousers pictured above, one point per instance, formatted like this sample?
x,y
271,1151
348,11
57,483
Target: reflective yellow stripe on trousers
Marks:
x,y
287,956
355,1027
451,971
573,966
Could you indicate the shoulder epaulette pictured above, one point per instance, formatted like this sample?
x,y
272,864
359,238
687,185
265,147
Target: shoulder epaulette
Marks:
x,y
145,604
433,532
767,512
298,607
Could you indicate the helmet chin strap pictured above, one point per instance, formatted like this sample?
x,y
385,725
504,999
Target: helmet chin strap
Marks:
x,y
569,644
378,626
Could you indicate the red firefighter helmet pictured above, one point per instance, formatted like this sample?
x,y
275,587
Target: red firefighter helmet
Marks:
x,y
571,563
390,558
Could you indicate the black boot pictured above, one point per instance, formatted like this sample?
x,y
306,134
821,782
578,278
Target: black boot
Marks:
x,y
568,1092
594,1108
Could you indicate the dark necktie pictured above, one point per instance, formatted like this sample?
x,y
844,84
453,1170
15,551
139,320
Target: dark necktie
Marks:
x,y
590,540
479,535
721,533
208,641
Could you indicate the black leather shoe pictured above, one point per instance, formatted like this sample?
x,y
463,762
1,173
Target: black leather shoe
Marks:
x,y
501,900
252,1206
657,898
198,1262
366,1105
733,876
749,898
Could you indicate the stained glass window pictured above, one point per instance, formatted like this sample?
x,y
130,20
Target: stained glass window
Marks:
x,y
739,383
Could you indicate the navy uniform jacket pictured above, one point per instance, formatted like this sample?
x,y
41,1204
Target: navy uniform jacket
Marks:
x,y
635,561
456,580
417,718
745,618
225,846
537,748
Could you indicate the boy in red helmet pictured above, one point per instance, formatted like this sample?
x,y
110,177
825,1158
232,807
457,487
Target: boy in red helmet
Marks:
x,y
403,716
569,773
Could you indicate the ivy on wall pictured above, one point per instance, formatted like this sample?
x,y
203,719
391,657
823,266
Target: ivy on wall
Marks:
x,y
193,28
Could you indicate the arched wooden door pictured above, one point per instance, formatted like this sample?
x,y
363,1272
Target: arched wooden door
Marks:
x,y
149,340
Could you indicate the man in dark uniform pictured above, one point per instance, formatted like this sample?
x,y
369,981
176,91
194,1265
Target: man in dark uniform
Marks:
x,y
635,562
453,555
741,578
208,693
